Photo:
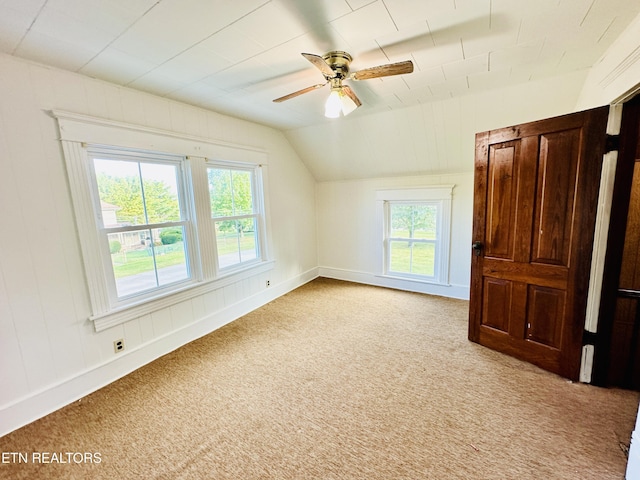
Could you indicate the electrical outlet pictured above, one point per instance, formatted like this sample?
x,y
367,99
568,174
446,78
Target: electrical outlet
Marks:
x,y
268,283
118,345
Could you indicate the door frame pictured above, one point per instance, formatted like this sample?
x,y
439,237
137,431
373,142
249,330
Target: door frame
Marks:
x,y
628,147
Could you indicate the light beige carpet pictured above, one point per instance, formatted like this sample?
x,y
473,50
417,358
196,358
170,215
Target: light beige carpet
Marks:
x,y
338,381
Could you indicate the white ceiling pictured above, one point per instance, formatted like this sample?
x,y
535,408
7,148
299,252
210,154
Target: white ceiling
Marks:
x,y
236,56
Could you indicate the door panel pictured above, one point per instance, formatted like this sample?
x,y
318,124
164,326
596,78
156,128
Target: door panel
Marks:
x,y
546,308
554,199
535,196
497,304
502,196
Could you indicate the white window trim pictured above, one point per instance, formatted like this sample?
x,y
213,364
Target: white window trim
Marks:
x,y
440,194
100,151
76,132
258,208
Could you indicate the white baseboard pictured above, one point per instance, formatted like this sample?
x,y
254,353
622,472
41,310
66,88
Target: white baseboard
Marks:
x,y
452,291
38,404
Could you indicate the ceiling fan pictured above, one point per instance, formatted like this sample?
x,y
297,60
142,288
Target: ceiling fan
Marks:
x,y
335,68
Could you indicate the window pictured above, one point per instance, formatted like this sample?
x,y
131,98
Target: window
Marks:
x,y
416,228
142,219
412,238
160,218
232,193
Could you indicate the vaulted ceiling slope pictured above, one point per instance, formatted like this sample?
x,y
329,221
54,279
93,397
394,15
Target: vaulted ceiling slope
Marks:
x,y
236,56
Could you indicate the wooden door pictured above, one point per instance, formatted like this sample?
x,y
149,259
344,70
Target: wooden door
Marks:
x,y
535,199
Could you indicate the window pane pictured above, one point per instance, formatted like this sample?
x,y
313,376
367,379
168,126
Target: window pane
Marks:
x,y
120,193
227,242
413,221
248,239
424,221
160,183
220,192
171,261
237,241
145,259
401,221
400,260
423,259
230,192
137,193
242,194
132,260
412,257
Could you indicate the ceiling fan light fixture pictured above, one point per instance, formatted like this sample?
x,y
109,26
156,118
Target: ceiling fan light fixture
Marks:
x,y
348,105
333,105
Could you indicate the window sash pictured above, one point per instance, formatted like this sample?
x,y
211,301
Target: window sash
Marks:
x,y
234,217
410,241
438,196
223,259
414,265
144,226
147,281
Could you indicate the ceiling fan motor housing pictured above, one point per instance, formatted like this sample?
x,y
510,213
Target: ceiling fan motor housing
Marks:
x,y
339,62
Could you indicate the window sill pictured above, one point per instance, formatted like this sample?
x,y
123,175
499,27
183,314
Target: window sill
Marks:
x,y
129,312
414,279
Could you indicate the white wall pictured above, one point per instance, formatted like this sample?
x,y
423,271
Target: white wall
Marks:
x,y
431,138
349,234
50,354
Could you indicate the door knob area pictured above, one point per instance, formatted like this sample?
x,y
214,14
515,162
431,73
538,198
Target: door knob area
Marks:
x,y
477,248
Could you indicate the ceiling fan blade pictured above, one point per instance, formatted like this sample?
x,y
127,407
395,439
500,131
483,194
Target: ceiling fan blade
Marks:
x,y
351,94
399,68
320,64
299,92
315,18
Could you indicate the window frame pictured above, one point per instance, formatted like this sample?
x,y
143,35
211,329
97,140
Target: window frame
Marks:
x,y
257,201
81,133
437,195
388,204
186,213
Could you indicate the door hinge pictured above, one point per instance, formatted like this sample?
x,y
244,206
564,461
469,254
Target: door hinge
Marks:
x,y
612,143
